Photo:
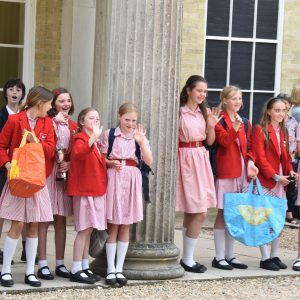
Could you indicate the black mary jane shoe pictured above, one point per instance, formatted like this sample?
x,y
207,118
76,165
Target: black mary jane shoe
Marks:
x,y
89,273
41,275
60,273
296,268
277,261
216,264
7,282
77,277
268,264
34,283
196,268
111,281
236,265
121,280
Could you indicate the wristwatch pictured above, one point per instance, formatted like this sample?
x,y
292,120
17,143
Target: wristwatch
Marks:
x,y
276,178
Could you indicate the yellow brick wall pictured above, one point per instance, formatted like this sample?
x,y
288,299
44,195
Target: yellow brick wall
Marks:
x,y
290,66
48,42
193,30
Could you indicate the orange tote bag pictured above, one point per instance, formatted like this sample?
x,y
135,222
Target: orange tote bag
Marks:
x,y
27,173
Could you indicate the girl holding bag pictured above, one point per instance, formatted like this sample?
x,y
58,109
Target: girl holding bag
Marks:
x,y
234,162
64,127
35,209
274,164
87,184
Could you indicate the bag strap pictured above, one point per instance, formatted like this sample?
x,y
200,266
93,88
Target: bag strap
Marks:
x,y
111,138
259,187
26,133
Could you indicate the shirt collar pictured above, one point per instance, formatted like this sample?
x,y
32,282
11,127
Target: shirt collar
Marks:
x,y
186,109
11,112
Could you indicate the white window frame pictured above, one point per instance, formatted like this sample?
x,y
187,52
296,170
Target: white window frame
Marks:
x,y
29,41
278,42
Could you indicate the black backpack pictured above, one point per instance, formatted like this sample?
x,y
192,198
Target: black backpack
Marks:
x,y
214,147
144,168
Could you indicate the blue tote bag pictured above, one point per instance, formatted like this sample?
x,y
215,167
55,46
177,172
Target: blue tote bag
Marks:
x,y
254,219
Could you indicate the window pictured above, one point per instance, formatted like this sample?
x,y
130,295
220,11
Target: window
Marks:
x,y
243,48
17,23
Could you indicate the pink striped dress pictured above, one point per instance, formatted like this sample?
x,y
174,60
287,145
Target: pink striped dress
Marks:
x,y
60,201
195,189
124,189
28,210
298,171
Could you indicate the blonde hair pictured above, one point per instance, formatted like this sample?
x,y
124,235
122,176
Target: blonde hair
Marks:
x,y
226,93
127,108
37,95
295,95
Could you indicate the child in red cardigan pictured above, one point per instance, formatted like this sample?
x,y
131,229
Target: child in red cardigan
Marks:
x,y
87,184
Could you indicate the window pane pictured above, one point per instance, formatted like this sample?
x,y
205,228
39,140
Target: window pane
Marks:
x,y
213,99
11,62
240,65
265,59
12,23
2,101
242,18
216,63
244,111
267,16
218,17
258,102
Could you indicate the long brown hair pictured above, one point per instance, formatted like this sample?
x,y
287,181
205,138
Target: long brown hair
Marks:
x,y
82,115
36,95
265,121
190,84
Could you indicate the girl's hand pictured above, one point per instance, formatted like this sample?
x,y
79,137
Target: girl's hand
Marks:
x,y
116,165
62,117
63,166
252,170
237,122
283,180
214,117
294,174
139,134
29,138
97,130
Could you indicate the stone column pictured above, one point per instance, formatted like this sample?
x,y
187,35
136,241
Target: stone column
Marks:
x,y
137,59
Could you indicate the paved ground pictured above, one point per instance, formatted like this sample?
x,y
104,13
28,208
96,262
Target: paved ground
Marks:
x,y
204,254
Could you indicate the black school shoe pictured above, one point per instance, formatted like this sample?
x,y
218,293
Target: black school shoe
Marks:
x,y
7,282
78,278
60,273
48,276
89,273
33,283
216,264
268,264
196,268
279,263
236,265
121,280
296,268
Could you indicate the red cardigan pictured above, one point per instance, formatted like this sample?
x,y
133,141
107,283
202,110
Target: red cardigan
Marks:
x,y
268,159
72,127
87,173
11,136
228,157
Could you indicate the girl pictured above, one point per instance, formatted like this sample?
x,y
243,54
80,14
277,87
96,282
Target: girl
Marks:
x,y
124,190
64,128
195,190
14,93
32,210
233,162
295,99
87,184
274,164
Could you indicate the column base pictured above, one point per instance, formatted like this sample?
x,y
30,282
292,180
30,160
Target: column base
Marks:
x,y
146,262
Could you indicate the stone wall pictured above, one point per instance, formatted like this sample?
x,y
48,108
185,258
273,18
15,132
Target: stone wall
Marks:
x,y
48,43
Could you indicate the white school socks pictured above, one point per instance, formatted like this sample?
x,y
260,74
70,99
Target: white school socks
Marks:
x,y
77,266
110,256
219,239
9,249
43,263
189,245
31,248
264,252
275,248
85,264
121,254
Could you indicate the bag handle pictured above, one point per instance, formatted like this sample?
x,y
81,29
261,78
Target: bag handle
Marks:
x,y
26,132
259,187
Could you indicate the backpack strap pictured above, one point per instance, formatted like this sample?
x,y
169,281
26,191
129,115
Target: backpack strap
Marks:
x,y
245,121
111,138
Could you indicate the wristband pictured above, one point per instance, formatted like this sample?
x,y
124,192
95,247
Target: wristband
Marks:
x,y
276,178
